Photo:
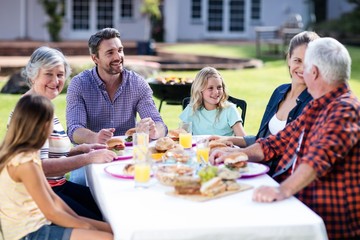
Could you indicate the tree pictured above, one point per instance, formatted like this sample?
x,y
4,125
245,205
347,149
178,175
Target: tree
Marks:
x,y
55,11
151,9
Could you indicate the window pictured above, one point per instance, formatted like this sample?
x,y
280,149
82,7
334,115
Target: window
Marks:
x,y
104,14
237,15
81,14
215,15
126,9
196,9
255,9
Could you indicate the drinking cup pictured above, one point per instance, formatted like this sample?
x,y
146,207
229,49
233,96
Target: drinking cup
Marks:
x,y
142,173
185,139
202,150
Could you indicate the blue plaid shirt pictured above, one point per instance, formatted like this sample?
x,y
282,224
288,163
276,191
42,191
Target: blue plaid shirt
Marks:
x,y
89,105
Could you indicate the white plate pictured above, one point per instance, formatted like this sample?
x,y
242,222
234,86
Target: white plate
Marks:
x,y
255,169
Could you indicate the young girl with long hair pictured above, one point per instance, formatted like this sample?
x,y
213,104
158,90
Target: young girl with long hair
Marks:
x,y
208,110
29,207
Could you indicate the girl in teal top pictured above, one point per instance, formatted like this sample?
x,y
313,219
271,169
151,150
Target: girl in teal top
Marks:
x,y
208,110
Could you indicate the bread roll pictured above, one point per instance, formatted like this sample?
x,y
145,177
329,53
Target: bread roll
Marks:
x,y
163,144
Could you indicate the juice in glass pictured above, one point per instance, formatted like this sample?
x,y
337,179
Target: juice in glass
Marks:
x,y
185,140
142,174
202,152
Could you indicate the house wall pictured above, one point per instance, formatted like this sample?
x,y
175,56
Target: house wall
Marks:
x,y
25,19
10,27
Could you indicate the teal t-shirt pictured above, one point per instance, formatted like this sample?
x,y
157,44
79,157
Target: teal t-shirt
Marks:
x,y
205,122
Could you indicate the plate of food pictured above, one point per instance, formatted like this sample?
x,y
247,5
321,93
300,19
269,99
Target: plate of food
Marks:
x,y
117,144
239,162
254,170
121,170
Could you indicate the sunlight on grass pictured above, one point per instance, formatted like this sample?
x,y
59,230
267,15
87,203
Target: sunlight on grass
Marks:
x,y
253,85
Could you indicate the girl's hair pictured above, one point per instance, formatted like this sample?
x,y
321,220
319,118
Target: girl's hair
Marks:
x,y
300,39
199,84
28,128
47,58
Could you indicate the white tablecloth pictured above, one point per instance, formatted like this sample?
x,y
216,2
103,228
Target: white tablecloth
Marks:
x,y
152,214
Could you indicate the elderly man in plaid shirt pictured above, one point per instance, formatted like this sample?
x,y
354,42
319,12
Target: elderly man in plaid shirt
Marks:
x,y
321,148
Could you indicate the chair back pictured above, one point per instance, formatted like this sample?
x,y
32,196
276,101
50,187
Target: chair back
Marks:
x,y
240,103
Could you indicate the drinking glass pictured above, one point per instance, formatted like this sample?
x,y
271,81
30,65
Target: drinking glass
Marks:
x,y
142,173
185,139
202,150
140,145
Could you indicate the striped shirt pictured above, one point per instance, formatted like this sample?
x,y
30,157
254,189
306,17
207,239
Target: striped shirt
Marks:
x,y
330,130
58,145
89,105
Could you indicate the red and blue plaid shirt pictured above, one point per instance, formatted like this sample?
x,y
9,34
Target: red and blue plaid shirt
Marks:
x,y
330,145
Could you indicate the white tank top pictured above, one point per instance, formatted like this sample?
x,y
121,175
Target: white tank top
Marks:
x,y
276,125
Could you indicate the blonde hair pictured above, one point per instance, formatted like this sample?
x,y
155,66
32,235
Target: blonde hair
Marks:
x,y
28,128
199,84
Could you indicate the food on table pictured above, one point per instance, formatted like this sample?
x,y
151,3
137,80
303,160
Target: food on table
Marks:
x,y
208,173
163,144
157,156
237,161
129,169
167,174
188,185
176,154
213,187
216,144
228,174
116,144
174,134
231,185
129,133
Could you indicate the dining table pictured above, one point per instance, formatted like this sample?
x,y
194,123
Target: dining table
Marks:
x,y
155,213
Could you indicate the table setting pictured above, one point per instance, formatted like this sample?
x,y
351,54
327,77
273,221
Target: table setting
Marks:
x,y
146,202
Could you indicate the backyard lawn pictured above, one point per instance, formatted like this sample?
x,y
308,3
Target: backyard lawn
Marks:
x,y
253,85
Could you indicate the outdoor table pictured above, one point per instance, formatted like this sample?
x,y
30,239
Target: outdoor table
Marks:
x,y
152,214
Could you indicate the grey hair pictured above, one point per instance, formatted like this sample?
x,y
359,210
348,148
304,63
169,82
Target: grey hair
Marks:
x,y
330,57
47,58
95,40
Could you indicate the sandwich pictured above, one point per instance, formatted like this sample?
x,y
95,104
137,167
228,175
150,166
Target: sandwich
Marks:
x,y
237,161
187,185
129,133
115,144
174,134
163,144
213,187
129,169
216,144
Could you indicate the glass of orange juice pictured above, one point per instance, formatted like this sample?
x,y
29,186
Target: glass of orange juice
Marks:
x,y
185,139
202,150
142,173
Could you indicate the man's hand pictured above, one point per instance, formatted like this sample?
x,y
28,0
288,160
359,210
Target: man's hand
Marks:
x,y
104,134
156,130
217,156
269,194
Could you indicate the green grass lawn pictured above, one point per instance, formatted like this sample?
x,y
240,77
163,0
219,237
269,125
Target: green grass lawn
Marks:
x,y
253,85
